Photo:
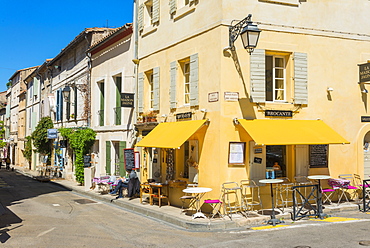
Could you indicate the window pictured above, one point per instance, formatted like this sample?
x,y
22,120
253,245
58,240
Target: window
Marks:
x,y
275,78
148,16
150,89
187,82
149,9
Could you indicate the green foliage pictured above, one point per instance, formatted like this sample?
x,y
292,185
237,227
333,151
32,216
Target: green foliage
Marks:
x,y
80,141
2,132
28,149
40,139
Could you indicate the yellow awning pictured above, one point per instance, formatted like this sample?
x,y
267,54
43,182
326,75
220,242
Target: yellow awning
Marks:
x,y
291,132
171,134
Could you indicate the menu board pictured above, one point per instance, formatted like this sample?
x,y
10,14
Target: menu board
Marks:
x,y
236,152
87,160
129,154
318,155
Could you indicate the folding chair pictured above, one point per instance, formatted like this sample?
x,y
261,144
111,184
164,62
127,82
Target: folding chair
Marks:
x,y
350,188
190,198
216,207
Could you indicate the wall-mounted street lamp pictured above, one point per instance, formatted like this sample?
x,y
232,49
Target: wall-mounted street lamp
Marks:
x,y
248,31
66,92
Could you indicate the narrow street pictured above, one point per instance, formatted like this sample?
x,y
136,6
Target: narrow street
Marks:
x,y
35,214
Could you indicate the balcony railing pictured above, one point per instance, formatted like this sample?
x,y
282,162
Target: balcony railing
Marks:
x,y
101,117
117,119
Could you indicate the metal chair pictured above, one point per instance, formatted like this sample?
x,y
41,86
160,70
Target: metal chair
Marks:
x,y
216,206
350,188
190,198
284,195
230,197
250,194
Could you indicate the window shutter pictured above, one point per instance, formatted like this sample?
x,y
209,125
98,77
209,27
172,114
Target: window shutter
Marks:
x,y
57,106
141,92
300,78
61,104
194,64
36,84
156,88
155,18
172,7
122,169
258,79
140,19
191,1
173,72
107,157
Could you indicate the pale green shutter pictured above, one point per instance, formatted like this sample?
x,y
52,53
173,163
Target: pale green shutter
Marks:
x,y
258,85
156,88
141,92
140,18
107,157
118,100
122,169
155,18
300,78
194,64
36,85
172,7
173,72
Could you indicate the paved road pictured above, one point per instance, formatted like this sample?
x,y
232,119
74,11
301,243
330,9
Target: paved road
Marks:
x,y
35,214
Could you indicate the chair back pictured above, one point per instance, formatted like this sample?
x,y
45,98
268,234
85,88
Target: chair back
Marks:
x,y
302,180
347,177
357,180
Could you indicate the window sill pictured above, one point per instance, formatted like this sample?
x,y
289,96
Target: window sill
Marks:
x,y
183,12
148,30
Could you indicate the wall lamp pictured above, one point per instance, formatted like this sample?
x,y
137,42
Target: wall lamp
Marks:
x,y
203,110
66,92
365,91
329,89
248,31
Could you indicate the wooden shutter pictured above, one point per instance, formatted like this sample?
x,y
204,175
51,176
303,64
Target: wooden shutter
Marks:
x,y
194,64
173,74
156,88
102,94
140,18
258,85
36,85
122,169
118,100
60,105
75,101
300,78
155,17
172,7
140,92
57,113
108,148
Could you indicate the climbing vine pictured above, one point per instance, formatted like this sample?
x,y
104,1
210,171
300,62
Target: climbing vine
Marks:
x,y
80,141
28,148
39,137
2,132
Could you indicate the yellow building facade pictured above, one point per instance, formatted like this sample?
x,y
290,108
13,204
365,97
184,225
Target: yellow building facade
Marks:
x,y
295,100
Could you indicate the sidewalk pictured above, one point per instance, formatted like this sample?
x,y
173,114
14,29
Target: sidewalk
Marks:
x,y
172,215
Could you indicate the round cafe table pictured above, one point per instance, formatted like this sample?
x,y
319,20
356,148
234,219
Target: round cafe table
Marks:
x,y
273,219
198,193
319,200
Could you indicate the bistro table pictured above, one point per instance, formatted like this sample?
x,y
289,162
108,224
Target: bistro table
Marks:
x,y
198,193
319,200
273,219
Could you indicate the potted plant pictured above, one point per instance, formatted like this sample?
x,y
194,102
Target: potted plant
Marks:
x,y
149,117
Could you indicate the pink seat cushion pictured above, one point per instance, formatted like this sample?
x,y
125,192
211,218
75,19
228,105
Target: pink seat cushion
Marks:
x,y
351,187
327,190
212,201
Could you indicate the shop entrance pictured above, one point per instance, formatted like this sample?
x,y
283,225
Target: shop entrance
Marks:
x,y
367,154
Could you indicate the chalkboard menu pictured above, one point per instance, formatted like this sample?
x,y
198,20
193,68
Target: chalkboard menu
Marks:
x,y
87,160
318,155
129,158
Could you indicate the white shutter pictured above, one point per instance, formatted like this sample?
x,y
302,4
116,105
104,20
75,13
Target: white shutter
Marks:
x,y
194,64
155,17
173,73
156,88
173,7
300,78
140,18
140,89
257,65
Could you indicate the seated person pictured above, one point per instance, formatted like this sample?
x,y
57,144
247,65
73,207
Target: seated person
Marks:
x,y
132,184
122,183
276,166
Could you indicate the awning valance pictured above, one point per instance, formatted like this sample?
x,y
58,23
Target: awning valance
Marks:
x,y
291,132
171,134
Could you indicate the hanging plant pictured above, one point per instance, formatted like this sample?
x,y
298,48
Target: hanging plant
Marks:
x,y
80,141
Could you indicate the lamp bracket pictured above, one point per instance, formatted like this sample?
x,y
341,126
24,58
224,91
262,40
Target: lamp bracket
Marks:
x,y
235,30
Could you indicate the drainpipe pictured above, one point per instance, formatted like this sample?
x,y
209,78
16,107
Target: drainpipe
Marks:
x,y
136,67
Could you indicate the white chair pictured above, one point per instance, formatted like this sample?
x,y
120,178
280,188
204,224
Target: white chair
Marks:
x,y
250,194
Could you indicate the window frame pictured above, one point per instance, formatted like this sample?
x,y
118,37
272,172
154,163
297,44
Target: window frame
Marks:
x,y
150,88
274,78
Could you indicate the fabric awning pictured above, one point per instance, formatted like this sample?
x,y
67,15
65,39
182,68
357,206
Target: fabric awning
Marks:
x,y
291,132
170,134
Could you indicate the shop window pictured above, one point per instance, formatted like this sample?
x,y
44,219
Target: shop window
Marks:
x,y
189,169
276,155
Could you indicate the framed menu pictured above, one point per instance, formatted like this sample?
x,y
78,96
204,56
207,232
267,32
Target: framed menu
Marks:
x,y
236,152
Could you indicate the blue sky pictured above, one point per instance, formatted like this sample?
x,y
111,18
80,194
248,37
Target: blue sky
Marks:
x,y
33,31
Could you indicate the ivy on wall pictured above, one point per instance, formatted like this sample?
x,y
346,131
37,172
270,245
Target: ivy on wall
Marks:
x,y
28,149
80,141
